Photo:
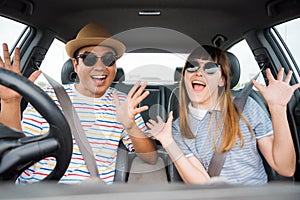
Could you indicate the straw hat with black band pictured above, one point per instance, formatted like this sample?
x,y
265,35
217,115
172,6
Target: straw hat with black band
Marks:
x,y
94,34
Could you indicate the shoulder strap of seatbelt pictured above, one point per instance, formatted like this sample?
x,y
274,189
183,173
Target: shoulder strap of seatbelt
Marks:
x,y
218,159
75,126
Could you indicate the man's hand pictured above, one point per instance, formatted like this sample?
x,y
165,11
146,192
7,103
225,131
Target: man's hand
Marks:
x,y
7,94
127,110
10,114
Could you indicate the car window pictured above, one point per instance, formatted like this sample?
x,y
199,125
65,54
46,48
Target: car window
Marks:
x,y
55,58
248,64
153,67
10,32
289,36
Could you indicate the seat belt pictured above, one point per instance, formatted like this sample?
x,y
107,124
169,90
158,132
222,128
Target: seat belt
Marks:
x,y
75,126
217,162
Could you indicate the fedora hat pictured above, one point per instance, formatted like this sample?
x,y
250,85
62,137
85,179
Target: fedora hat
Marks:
x,y
94,34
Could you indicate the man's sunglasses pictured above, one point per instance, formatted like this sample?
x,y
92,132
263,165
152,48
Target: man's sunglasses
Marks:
x,y
208,68
90,59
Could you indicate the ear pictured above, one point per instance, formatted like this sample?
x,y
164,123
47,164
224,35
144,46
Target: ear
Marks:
x,y
75,64
221,82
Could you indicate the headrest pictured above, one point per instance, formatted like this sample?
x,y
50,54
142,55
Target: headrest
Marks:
x,y
68,75
235,69
177,75
120,76
234,65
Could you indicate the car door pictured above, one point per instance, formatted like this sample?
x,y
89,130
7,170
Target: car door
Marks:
x,y
278,46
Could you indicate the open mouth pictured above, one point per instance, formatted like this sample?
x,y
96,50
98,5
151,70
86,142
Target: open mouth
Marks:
x,y
99,79
198,85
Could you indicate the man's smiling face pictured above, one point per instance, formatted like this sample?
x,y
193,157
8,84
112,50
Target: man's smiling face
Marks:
x,y
94,80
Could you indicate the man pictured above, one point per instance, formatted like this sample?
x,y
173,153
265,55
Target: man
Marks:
x,y
107,115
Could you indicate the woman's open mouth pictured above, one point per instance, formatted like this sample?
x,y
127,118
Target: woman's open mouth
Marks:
x,y
198,86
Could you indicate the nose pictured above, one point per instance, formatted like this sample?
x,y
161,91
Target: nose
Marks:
x,y
199,72
99,64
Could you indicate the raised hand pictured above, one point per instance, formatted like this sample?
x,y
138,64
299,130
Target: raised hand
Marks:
x,y
10,100
155,127
279,91
7,94
160,130
127,110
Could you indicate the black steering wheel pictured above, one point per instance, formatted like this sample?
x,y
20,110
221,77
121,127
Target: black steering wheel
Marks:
x,y
17,151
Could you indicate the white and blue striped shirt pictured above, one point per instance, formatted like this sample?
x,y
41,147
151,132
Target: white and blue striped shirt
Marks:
x,y
242,165
98,119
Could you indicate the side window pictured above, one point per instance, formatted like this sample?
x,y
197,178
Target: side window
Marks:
x,y
54,60
287,35
248,64
10,32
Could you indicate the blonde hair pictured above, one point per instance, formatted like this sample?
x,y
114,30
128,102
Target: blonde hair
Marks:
x,y
230,115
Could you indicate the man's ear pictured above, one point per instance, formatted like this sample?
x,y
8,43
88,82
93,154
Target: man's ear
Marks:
x,y
75,64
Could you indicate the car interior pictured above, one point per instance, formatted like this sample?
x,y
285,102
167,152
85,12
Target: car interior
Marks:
x,y
168,27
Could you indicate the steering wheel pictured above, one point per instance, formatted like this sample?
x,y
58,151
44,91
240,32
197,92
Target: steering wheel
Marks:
x,y
17,151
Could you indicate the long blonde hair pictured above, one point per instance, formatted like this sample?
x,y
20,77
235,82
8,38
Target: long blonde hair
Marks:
x,y
230,115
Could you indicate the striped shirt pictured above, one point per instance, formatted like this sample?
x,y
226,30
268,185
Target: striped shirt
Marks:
x,y
98,119
242,165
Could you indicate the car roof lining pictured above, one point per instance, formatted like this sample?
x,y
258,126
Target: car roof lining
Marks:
x,y
182,16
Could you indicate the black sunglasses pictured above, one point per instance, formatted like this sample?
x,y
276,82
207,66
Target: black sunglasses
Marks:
x,y
90,59
208,68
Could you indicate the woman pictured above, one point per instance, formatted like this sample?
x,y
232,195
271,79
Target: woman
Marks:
x,y
209,122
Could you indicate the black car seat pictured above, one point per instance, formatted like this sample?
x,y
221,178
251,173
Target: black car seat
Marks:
x,y
68,75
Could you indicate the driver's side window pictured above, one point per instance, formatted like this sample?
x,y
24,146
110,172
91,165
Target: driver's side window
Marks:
x,y
55,57
11,32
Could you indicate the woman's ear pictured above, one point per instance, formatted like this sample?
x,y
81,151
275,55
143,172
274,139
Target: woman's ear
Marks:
x,y
221,82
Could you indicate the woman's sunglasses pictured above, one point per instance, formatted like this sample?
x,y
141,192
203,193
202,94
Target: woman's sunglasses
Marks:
x,y
90,59
208,68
